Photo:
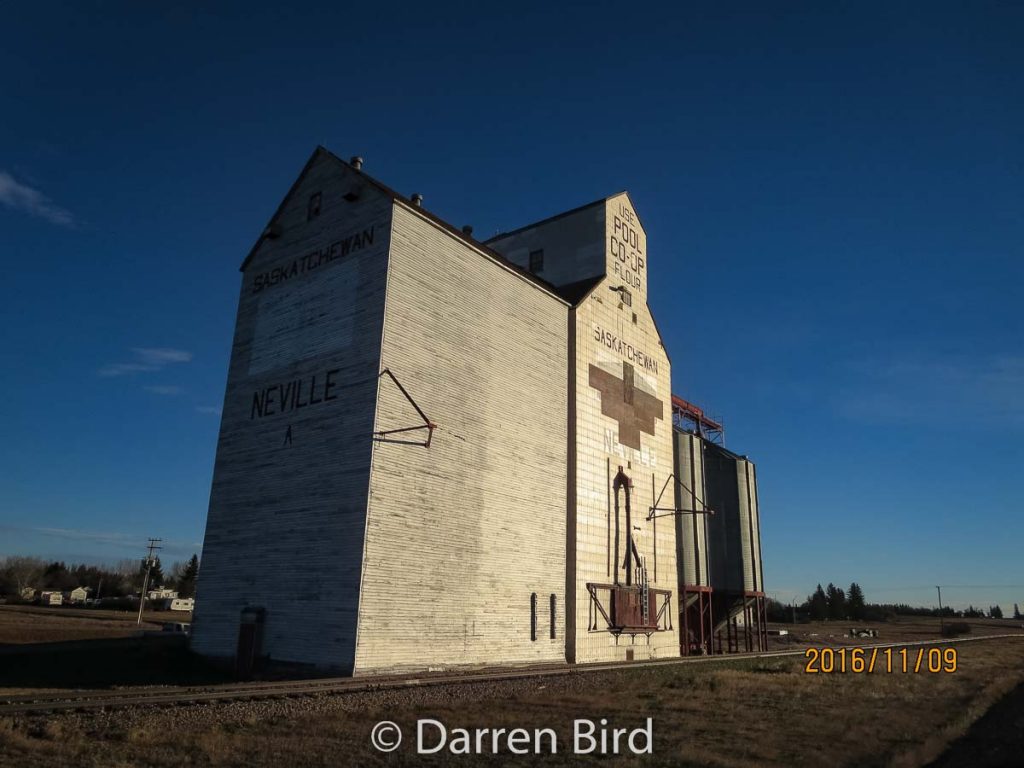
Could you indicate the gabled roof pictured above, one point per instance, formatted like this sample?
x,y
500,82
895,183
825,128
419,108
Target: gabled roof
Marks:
x,y
632,205
726,452
407,203
548,220
557,216
576,292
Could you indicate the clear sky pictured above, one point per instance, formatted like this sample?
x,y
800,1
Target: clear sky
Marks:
x,y
832,194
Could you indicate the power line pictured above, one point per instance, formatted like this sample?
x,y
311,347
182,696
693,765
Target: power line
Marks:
x,y
944,586
152,546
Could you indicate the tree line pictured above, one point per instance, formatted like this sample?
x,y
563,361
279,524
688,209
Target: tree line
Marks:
x,y
834,604
18,574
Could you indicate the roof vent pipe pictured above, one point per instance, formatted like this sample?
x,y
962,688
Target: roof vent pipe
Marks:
x,y
356,162
467,230
417,199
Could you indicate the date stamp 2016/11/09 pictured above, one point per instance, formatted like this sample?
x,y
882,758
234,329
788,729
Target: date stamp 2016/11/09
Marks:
x,y
857,660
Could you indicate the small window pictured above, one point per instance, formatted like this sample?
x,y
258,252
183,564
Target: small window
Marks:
x,y
634,318
533,616
314,207
552,615
537,261
627,297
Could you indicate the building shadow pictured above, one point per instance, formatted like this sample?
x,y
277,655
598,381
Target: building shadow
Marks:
x,y
105,663
995,739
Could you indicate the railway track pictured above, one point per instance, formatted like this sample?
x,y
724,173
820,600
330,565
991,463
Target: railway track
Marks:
x,y
31,704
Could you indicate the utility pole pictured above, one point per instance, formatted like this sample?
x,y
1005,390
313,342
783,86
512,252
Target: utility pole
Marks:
x,y
942,620
152,546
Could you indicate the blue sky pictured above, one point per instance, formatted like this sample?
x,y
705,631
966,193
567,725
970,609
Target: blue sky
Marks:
x,y
832,194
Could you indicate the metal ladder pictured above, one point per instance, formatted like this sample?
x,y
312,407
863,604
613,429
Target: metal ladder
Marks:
x,y
645,591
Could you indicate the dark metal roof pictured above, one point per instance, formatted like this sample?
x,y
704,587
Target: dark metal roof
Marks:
x,y
576,292
406,202
548,220
715,447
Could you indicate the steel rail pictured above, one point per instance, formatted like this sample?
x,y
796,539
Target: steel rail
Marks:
x,y
176,696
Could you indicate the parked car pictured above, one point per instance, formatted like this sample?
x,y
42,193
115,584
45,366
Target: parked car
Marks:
x,y
177,627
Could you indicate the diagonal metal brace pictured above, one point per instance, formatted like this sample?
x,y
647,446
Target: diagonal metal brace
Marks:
x,y
652,512
427,424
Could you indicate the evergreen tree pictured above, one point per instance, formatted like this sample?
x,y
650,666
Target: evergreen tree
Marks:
x,y
187,582
818,605
156,576
836,602
1016,612
56,576
156,573
995,612
855,602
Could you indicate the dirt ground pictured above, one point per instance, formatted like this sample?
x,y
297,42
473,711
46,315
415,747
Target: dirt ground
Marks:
x,y
22,624
997,739
904,628
53,650
730,713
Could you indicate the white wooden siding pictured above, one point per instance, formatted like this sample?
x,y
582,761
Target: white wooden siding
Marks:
x,y
285,525
461,534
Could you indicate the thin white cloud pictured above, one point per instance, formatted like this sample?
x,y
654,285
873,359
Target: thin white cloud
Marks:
x,y
164,389
214,409
162,357
68,533
131,541
24,198
120,369
146,359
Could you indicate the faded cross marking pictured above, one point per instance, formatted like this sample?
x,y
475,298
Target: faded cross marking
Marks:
x,y
634,409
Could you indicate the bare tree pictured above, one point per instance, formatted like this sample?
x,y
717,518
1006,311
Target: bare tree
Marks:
x,y
176,572
24,572
128,567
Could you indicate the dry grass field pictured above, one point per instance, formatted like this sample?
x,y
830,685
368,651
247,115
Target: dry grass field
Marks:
x,y
731,713
723,713
20,625
63,649
903,628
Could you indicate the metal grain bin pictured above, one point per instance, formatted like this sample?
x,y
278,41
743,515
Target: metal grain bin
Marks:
x,y
691,529
733,531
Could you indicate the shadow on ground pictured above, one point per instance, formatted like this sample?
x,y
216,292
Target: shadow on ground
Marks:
x,y
106,663
996,739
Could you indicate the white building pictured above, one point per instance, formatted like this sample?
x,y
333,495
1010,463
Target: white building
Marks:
x,y
436,452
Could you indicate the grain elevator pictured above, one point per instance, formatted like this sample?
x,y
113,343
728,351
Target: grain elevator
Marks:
x,y
437,452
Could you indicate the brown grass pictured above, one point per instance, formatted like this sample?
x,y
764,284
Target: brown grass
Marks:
x,y
738,713
58,649
902,628
32,624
